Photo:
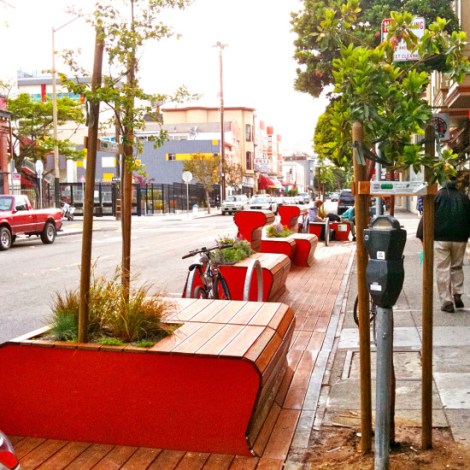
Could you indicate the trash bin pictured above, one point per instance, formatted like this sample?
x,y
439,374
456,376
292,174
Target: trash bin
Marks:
x,y
195,209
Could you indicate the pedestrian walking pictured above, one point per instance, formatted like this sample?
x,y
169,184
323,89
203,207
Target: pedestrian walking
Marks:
x,y
419,205
451,233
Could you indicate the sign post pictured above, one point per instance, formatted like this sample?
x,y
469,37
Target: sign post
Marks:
x,y
187,177
39,173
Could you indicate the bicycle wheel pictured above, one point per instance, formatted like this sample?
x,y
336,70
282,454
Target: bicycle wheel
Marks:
x,y
189,287
199,293
220,289
372,310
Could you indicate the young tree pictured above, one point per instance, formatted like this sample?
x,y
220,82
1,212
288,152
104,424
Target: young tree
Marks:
x,y
324,176
204,169
125,26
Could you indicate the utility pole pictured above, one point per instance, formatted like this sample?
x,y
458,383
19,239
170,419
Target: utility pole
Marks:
x,y
222,133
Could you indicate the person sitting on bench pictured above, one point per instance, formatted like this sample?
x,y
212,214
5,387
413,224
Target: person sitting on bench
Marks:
x,y
313,212
348,217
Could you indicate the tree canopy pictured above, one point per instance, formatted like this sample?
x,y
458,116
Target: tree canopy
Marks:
x,y
33,129
315,47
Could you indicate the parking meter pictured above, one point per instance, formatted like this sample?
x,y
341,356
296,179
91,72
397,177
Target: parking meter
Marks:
x,y
385,241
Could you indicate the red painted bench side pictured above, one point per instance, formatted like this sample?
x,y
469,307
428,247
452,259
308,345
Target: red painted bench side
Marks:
x,y
281,245
198,403
290,216
306,245
341,230
250,225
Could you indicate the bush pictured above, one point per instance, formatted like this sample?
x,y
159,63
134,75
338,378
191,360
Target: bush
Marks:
x,y
111,318
278,231
240,250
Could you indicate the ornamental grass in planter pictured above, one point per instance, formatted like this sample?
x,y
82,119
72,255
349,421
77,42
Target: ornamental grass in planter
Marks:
x,y
112,320
278,231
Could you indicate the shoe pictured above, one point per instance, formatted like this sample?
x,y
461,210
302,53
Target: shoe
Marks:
x,y
458,301
354,239
448,307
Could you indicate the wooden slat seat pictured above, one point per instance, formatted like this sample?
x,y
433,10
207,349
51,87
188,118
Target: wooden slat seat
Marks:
x,y
207,388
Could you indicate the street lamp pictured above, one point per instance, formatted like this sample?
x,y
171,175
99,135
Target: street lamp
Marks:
x,y
222,135
54,115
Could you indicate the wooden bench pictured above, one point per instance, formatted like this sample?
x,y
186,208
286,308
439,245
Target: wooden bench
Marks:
x,y
321,230
274,267
290,216
250,225
207,388
306,244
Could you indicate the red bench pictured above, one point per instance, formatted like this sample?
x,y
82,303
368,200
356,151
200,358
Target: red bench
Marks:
x,y
290,216
207,388
250,225
306,244
281,245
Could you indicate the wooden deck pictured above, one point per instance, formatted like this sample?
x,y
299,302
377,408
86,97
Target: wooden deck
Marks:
x,y
314,294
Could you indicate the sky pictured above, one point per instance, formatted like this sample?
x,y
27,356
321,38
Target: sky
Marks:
x,y
258,69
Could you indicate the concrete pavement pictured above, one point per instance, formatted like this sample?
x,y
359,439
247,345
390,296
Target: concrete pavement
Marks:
x,y
340,401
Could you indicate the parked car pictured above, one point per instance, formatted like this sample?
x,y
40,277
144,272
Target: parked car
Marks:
x,y
263,202
8,459
233,204
17,217
334,197
345,201
304,198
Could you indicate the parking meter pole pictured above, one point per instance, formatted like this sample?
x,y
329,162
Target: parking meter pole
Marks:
x,y
361,212
383,386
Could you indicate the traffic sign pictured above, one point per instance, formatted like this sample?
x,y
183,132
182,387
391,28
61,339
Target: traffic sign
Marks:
x,y
404,188
39,168
109,146
187,176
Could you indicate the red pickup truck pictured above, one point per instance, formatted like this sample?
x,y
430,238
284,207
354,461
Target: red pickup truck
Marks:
x,y
17,217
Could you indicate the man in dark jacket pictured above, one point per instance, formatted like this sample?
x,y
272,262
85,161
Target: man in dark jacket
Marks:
x,y
451,233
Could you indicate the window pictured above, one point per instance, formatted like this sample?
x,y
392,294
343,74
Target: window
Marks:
x,y
248,136
249,161
171,156
20,204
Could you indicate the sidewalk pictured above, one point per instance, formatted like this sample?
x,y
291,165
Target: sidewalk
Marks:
x,y
451,355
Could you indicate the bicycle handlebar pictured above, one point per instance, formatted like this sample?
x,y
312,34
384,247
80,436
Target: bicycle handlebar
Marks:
x,y
206,250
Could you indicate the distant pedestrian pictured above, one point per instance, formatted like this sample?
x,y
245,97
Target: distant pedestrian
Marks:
x,y
451,233
313,212
419,205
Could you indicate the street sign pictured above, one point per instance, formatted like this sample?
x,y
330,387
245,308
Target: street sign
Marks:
x,y
401,53
108,146
39,168
187,176
404,188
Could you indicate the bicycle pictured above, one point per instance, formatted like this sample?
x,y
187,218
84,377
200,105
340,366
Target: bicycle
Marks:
x,y
204,279
372,315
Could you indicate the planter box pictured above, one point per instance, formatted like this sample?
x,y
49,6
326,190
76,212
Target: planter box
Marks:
x,y
208,388
342,231
274,268
280,245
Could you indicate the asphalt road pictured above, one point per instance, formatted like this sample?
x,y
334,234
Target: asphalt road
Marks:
x,y
32,272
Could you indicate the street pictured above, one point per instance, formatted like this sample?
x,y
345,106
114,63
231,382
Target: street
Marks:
x,y
32,272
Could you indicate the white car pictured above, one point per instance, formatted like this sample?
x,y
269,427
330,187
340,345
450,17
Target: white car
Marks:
x,y
262,202
233,204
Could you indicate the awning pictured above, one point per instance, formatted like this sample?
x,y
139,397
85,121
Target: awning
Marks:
x,y
264,182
